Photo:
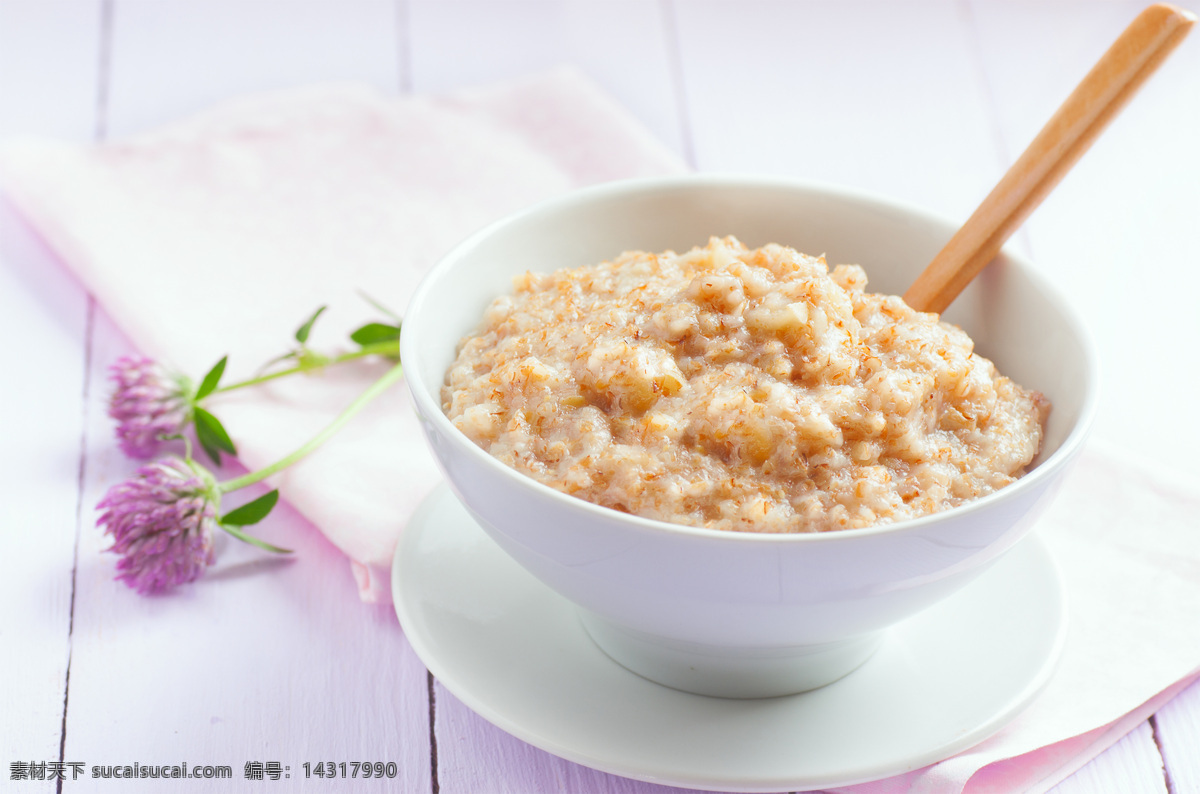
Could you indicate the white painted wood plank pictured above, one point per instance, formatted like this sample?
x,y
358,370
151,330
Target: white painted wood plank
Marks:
x,y
262,660
43,318
621,45
175,57
1119,233
1131,766
877,95
1178,725
49,54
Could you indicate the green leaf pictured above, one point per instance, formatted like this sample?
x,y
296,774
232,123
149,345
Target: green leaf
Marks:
x,y
379,306
252,512
214,454
303,331
209,384
371,333
212,436
253,541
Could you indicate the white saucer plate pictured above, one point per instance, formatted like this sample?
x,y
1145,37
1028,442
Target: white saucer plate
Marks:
x,y
516,653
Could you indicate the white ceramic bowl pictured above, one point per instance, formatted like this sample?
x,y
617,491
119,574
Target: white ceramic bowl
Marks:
x,y
742,614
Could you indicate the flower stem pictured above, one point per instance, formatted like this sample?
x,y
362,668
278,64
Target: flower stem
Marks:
x,y
378,348
377,388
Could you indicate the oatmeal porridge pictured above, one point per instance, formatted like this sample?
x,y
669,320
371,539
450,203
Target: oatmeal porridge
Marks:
x,y
749,390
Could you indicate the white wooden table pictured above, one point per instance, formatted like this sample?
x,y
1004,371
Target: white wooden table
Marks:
x,y
279,662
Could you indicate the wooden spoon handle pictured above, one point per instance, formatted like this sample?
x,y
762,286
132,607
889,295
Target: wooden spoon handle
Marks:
x,y
1127,64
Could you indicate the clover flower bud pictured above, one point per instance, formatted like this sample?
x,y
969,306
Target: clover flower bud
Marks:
x,y
149,404
162,521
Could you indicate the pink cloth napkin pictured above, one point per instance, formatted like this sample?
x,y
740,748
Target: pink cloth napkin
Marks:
x,y
222,233
1126,537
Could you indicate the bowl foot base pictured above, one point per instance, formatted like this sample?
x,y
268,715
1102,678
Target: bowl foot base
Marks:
x,y
727,672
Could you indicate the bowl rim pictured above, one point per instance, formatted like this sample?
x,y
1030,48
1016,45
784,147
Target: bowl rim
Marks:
x,y
430,410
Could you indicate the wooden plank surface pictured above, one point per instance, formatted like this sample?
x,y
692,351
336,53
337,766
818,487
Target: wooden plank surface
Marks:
x,y
270,661
830,92
265,660
1177,730
174,58
231,670
455,44
1132,766
45,320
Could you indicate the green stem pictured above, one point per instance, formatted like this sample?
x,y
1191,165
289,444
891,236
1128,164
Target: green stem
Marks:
x,y
378,348
377,388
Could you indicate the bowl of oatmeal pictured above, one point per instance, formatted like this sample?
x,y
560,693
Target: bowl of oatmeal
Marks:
x,y
695,408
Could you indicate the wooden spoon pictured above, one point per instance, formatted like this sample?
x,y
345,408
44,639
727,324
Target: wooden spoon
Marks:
x,y
1129,62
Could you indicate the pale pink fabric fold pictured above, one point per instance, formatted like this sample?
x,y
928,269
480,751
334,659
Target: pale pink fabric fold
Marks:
x,y
220,234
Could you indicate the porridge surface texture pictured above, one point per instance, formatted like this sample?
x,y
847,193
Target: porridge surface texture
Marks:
x,y
737,389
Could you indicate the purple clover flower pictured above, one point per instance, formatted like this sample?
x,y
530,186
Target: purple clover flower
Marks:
x,y
150,403
162,523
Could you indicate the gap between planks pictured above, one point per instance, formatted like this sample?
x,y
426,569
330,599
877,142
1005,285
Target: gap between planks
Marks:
x,y
1167,781
433,754
99,133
